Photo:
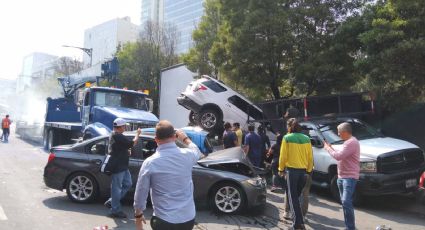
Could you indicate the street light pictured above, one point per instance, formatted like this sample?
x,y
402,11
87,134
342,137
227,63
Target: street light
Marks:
x,y
88,51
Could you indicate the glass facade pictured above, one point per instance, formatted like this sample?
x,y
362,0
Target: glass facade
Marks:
x,y
185,14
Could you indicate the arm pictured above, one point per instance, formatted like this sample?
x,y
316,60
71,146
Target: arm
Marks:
x,y
142,189
197,154
268,142
283,158
246,146
136,138
339,154
310,159
235,139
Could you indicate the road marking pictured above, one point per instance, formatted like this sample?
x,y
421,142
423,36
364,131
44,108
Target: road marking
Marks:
x,y
2,214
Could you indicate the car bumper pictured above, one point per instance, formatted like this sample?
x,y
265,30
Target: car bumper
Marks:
x,y
256,195
52,179
188,103
372,184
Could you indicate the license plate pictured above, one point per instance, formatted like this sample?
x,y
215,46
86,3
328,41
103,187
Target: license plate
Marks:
x,y
411,183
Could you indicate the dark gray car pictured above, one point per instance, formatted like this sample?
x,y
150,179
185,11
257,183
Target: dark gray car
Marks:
x,y
226,180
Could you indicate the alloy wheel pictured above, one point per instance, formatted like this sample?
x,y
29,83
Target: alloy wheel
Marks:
x,y
208,120
81,188
228,199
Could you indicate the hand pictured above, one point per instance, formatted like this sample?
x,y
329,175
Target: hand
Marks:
x,y
181,136
282,174
327,145
139,223
138,132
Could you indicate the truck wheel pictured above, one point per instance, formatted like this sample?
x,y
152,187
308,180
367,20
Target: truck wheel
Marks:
x,y
50,139
209,119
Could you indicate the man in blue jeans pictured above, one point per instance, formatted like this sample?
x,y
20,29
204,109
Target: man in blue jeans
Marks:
x,y
118,148
348,158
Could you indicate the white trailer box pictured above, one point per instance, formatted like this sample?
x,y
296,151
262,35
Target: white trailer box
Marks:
x,y
174,80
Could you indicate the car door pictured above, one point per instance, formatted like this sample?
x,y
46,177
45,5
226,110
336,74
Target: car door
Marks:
x,y
96,152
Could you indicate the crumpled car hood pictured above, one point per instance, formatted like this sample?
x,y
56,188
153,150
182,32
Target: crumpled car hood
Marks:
x,y
231,155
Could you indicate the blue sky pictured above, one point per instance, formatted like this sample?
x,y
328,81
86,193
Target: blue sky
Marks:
x,y
45,25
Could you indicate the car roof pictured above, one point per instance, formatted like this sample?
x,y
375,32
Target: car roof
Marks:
x,y
330,120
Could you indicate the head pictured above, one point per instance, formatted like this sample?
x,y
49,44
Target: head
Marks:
x,y
7,116
293,126
227,126
345,131
164,132
236,126
261,130
119,125
251,127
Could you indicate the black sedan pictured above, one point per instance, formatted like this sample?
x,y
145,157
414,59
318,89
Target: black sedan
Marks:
x,y
226,179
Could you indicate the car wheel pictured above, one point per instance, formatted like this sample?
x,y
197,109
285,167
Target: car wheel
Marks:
x,y
81,188
227,198
357,197
193,118
209,119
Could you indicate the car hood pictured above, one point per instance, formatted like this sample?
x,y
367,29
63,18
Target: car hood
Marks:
x,y
372,148
131,114
231,155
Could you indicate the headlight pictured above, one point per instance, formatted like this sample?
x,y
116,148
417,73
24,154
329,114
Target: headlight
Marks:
x,y
257,182
369,166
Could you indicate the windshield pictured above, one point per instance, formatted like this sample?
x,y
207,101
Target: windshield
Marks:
x,y
360,130
116,99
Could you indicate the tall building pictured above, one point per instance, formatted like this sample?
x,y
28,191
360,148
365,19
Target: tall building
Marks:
x,y
152,10
184,14
106,37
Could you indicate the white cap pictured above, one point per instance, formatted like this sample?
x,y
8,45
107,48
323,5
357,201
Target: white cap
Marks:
x,y
119,122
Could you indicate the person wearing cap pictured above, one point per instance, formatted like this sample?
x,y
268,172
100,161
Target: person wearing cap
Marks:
x,y
167,174
121,181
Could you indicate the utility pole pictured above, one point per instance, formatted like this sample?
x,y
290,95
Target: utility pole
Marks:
x,y
88,51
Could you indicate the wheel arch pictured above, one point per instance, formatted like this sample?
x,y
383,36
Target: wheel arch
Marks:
x,y
65,182
230,181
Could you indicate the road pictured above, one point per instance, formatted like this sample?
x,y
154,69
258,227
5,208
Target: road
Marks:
x,y
26,203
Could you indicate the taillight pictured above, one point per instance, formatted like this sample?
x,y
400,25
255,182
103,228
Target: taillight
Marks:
x,y
51,157
199,87
422,180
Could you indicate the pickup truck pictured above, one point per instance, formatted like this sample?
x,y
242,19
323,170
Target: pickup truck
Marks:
x,y
387,165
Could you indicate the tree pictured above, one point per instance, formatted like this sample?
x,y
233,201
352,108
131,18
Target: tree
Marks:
x,y
393,45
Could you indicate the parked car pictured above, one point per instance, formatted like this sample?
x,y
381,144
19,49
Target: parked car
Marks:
x,y
76,168
211,103
387,165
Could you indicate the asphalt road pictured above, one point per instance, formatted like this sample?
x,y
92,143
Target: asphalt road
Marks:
x,y
26,203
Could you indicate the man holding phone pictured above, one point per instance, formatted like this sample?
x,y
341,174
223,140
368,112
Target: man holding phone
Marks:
x,y
348,170
168,175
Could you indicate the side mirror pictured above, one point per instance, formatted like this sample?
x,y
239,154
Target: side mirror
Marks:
x,y
316,142
150,104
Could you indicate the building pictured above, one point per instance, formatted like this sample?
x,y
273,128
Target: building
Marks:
x,y
152,10
106,37
184,14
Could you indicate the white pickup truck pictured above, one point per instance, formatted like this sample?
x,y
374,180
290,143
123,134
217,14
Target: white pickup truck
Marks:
x,y
387,165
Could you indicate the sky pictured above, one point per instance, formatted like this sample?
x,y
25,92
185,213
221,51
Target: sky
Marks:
x,y
46,25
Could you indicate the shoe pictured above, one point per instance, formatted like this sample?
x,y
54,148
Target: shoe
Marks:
x,y
108,203
119,214
287,216
301,227
273,189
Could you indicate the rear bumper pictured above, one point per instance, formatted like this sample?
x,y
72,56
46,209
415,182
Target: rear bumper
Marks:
x,y
373,184
52,179
188,103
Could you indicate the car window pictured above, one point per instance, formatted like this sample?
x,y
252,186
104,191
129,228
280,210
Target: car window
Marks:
x,y
360,130
98,147
214,86
246,107
144,149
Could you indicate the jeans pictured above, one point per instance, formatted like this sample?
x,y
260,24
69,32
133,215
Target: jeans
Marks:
x,y
121,183
346,187
295,180
6,132
160,224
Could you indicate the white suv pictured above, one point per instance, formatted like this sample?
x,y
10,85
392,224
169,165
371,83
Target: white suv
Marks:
x,y
212,103
387,165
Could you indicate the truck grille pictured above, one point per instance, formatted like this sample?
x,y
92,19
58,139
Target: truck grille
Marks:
x,y
400,161
135,125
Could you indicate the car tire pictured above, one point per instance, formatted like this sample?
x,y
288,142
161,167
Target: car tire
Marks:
x,y
227,198
82,188
209,119
357,197
193,118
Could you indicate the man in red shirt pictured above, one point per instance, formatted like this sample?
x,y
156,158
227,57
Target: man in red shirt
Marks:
x,y
5,125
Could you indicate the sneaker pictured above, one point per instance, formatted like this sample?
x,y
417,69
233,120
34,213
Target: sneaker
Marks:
x,y
287,216
108,203
273,189
119,214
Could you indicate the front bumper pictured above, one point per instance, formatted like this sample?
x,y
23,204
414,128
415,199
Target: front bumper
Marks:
x,y
188,103
256,195
373,184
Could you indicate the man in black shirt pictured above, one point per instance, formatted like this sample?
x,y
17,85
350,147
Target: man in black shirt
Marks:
x,y
118,148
